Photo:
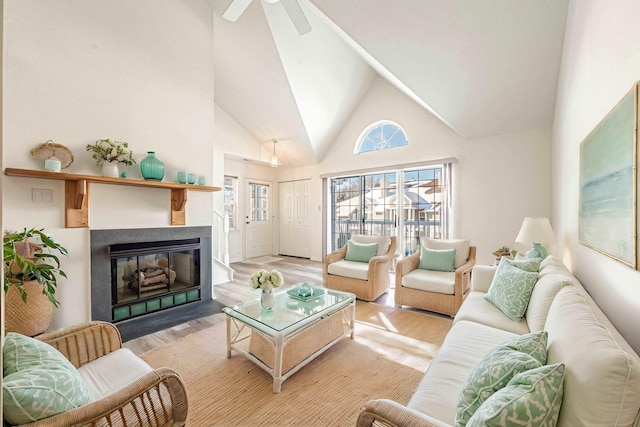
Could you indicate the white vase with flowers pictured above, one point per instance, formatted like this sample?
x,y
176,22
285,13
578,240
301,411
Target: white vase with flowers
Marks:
x,y
109,154
266,281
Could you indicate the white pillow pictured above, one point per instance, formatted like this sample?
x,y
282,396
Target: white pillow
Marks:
x,y
460,245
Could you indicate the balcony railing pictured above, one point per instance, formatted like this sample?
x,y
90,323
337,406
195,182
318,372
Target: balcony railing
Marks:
x,y
412,231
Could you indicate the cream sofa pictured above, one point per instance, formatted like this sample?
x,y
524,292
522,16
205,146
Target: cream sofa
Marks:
x,y
602,377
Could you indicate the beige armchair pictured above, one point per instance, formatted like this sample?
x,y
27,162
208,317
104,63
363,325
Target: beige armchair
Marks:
x,y
366,280
438,291
157,398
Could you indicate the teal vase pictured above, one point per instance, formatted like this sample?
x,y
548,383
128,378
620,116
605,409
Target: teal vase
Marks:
x,y
152,168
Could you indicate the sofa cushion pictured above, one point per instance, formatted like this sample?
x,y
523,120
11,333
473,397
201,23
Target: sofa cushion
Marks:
x,y
552,265
99,374
511,289
602,378
352,269
383,242
531,398
542,296
497,368
478,309
437,259
360,252
38,381
463,348
441,282
460,245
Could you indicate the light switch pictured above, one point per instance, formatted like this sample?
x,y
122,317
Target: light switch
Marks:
x,y
42,195
36,195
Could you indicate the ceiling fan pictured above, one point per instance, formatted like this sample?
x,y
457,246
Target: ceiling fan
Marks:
x,y
292,7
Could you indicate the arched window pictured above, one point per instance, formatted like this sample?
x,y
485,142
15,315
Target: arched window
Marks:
x,y
379,136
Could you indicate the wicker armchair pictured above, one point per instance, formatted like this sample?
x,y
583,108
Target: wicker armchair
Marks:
x,y
436,293
375,275
158,398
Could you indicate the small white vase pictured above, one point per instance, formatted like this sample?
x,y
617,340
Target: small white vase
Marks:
x,y
267,300
110,169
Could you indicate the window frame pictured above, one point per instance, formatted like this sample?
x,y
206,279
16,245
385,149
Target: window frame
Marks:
x,y
369,129
233,216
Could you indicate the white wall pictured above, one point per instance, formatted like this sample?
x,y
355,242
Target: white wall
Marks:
x,y
79,70
497,180
599,66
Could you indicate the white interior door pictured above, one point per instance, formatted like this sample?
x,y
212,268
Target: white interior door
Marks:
x,y
302,222
286,217
258,224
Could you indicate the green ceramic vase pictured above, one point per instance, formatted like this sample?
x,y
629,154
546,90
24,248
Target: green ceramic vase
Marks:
x,y
151,168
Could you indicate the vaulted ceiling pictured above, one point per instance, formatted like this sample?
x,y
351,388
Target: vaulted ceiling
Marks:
x,y
484,67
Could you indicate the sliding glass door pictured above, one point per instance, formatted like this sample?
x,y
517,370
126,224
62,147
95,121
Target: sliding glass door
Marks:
x,y
409,204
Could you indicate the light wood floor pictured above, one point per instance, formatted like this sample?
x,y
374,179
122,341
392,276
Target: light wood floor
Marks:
x,y
294,271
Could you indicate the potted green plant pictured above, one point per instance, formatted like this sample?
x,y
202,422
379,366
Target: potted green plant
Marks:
x,y
31,269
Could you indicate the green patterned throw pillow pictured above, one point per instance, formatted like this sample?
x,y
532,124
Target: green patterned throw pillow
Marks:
x,y
511,289
526,264
360,252
38,381
437,259
532,398
497,368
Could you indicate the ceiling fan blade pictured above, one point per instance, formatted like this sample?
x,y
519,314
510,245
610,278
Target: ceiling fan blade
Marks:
x,y
235,9
293,9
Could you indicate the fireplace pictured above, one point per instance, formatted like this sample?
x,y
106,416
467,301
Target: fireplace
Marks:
x,y
141,272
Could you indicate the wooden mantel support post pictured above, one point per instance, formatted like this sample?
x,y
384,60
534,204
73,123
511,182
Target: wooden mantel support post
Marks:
x,y
178,203
76,195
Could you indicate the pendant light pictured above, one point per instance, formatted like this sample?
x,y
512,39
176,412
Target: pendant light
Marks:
x,y
274,159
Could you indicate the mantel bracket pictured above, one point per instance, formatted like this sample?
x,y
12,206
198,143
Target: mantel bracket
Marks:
x,y
178,203
76,201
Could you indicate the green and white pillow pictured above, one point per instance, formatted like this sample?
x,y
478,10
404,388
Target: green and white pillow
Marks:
x,y
511,289
38,381
437,259
532,398
526,264
497,368
360,252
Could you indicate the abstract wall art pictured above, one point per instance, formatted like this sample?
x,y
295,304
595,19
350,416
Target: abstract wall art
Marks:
x,y
607,207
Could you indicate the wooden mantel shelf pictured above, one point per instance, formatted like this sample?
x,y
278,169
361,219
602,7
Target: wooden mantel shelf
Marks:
x,y
76,190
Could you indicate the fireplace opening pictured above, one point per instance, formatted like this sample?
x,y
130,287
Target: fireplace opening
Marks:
x,y
151,276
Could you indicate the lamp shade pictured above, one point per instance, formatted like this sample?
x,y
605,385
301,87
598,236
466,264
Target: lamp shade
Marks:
x,y
535,230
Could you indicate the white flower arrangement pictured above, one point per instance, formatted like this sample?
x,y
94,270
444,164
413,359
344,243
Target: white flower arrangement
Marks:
x,y
105,150
266,280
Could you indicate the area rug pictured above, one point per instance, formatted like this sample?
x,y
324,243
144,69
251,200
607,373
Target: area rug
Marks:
x,y
387,358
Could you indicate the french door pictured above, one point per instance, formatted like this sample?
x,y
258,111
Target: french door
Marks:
x,y
409,204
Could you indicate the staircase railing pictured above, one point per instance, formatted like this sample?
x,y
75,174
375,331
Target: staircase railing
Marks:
x,y
222,246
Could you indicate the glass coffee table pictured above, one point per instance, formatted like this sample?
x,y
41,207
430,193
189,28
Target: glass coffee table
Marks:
x,y
283,340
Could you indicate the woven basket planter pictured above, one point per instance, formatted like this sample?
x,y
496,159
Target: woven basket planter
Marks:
x,y
29,319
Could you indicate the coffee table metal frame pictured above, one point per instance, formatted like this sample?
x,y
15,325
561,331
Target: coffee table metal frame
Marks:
x,y
279,338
